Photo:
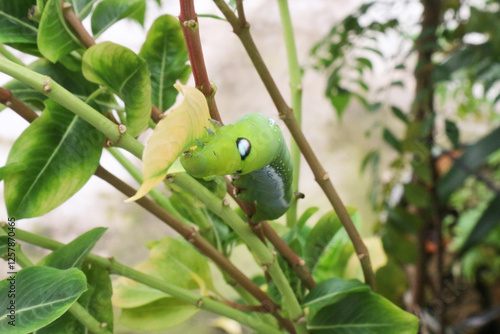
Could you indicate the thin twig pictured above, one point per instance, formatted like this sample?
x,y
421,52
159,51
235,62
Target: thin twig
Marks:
x,y
87,40
286,114
190,28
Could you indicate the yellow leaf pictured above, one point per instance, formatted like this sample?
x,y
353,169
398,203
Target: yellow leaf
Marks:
x,y
176,132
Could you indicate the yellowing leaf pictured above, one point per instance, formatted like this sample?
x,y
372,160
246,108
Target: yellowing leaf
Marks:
x,y
176,132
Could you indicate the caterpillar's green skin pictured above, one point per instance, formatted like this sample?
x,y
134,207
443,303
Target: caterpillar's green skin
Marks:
x,y
262,172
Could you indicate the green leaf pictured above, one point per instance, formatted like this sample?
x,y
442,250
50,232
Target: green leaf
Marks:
x,y
15,25
474,156
319,238
305,216
365,62
81,7
331,290
4,244
391,282
166,54
391,140
73,254
399,114
11,169
124,72
55,38
109,12
363,313
417,195
340,101
452,133
179,263
399,245
159,315
488,221
61,152
42,295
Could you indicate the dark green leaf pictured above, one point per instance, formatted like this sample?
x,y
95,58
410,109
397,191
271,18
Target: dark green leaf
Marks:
x,y
373,158
159,315
399,245
391,140
474,156
391,282
404,221
15,25
109,12
331,290
398,84
365,62
416,195
61,152
399,114
73,254
4,244
452,133
166,54
319,238
55,38
363,313
340,100
124,72
488,221
42,295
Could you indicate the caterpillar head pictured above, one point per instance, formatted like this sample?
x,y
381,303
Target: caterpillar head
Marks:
x,y
241,148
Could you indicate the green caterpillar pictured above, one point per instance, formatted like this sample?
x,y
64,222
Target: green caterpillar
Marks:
x,y
254,151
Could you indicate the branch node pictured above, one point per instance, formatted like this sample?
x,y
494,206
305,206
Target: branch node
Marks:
x,y
8,103
66,5
191,24
122,128
301,320
109,143
199,303
302,262
266,267
103,325
191,238
46,86
361,256
325,177
225,202
169,179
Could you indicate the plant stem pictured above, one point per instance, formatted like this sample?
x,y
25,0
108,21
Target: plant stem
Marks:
x,y
296,94
17,105
117,268
266,258
7,54
286,114
190,28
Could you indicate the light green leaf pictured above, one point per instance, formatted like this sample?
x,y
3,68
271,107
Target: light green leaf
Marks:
x,y
109,12
331,290
61,152
73,254
124,72
159,315
179,263
42,295
11,169
81,7
15,25
166,54
55,38
175,133
363,313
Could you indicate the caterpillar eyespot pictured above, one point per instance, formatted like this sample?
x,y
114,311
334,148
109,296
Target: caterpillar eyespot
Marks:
x,y
264,177
244,147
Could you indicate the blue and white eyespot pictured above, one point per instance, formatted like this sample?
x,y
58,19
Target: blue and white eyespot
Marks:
x,y
244,147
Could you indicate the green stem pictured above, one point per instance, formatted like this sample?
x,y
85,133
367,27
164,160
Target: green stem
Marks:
x,y
296,94
266,258
53,90
156,194
117,268
7,54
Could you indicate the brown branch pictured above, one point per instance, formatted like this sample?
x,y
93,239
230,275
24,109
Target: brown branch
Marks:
x,y
190,28
17,105
87,40
286,114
